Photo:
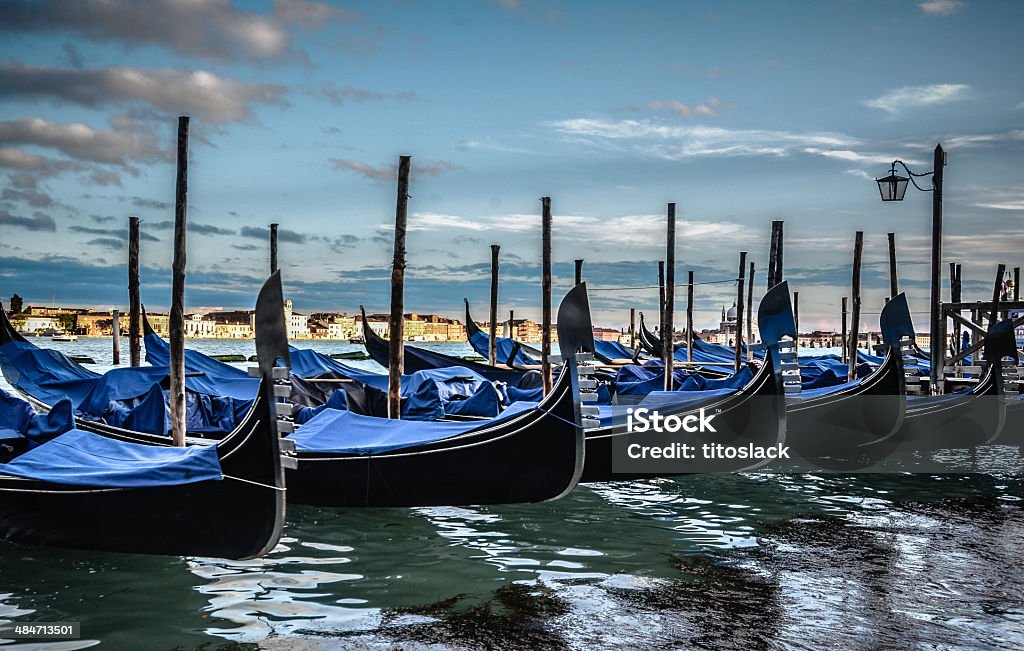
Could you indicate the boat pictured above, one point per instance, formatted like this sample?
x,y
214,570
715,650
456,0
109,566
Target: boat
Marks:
x,y
747,417
420,359
529,454
66,337
84,488
960,420
828,427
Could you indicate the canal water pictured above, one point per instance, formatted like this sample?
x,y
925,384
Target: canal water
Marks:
x,y
698,562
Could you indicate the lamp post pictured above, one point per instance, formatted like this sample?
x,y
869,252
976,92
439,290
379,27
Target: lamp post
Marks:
x,y
892,188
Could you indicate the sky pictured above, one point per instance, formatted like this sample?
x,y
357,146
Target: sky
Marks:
x,y
739,112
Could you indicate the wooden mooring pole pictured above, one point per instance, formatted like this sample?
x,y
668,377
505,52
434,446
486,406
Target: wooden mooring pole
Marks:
x,y
750,312
894,286
773,254
667,348
116,324
689,316
858,251
134,302
579,272
740,286
1016,284
273,248
177,317
996,295
493,329
845,342
545,291
396,321
661,297
779,257
796,317
632,328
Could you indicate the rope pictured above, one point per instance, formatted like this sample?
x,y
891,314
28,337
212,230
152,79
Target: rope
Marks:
x,y
255,483
556,416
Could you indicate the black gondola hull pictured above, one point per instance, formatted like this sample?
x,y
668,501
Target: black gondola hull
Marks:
x,y
754,415
534,457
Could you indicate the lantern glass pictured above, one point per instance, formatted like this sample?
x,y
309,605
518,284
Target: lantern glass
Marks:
x,y
892,187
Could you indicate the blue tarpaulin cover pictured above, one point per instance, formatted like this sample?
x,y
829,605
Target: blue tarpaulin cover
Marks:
x,y
72,456
611,350
503,349
343,432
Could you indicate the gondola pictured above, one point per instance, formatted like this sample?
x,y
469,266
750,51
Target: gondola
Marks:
x,y
421,359
753,415
236,512
528,455
345,459
828,427
965,419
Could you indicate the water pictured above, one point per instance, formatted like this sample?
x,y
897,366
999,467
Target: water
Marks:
x,y
735,562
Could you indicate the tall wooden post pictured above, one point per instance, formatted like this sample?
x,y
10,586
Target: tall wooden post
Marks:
x,y
996,293
858,250
512,324
845,341
273,248
493,330
545,290
750,312
937,325
116,322
894,286
579,272
796,318
667,348
396,322
177,317
134,302
632,328
1016,284
740,286
773,254
689,316
779,257
661,297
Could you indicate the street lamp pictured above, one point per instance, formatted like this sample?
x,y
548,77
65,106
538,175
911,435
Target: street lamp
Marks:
x,y
892,188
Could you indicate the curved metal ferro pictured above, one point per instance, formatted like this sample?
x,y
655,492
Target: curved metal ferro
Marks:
x,y
895,321
270,330
575,329
1000,342
775,318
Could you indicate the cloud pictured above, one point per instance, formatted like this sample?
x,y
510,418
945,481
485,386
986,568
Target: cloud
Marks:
x,y
128,142
283,234
214,29
983,139
112,243
38,221
19,159
198,93
33,197
941,7
116,233
191,227
1020,106
310,15
708,108
340,95
141,202
388,173
367,170
672,142
899,99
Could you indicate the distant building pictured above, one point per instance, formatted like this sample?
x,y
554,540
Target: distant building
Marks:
x,y
199,327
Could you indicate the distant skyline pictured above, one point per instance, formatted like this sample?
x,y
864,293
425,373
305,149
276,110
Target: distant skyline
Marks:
x,y
739,112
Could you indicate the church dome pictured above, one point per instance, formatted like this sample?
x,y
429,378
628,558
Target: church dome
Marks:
x,y
731,314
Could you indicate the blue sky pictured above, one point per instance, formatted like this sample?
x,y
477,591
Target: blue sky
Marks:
x,y
739,112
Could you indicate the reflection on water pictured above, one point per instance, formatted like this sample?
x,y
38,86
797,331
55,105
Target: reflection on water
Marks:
x,y
694,562
739,561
